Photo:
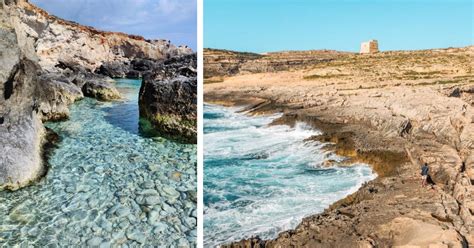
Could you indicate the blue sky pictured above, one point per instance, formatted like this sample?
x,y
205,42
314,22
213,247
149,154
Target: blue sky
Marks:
x,y
173,20
275,25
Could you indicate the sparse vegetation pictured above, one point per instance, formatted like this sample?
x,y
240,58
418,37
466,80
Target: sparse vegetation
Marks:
x,y
453,81
316,76
213,80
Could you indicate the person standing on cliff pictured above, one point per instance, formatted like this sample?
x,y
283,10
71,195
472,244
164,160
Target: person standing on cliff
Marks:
x,y
424,174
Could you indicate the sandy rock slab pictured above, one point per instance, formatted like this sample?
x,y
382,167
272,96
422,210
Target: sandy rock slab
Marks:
x,y
408,232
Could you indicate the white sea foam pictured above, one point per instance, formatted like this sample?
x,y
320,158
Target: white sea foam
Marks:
x,y
261,179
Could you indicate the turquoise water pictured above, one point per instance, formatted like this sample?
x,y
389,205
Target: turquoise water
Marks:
x,y
107,186
261,179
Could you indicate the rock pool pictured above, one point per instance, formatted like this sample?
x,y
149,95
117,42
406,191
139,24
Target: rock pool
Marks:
x,y
107,185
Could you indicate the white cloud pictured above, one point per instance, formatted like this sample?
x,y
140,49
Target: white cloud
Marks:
x,y
150,18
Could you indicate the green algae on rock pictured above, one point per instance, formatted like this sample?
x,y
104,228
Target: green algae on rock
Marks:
x,y
39,84
168,99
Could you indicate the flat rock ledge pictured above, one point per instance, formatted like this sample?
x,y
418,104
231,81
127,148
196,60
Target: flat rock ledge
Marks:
x,y
393,123
391,210
168,99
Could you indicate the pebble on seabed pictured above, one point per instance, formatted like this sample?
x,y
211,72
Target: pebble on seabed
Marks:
x,y
123,193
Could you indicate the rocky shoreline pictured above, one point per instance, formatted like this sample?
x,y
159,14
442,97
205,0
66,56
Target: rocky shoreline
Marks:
x,y
393,110
49,63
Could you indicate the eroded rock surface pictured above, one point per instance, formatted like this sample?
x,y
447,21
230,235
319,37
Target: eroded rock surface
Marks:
x,y
221,63
168,98
46,64
395,111
60,39
21,131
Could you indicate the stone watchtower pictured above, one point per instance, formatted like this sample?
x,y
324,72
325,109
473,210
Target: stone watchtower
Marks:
x,y
371,46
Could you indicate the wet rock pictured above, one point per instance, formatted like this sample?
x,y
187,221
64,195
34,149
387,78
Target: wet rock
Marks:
x,y
143,65
149,192
94,242
170,193
133,74
136,235
168,98
21,130
113,69
106,225
176,175
21,214
183,243
55,95
167,209
160,228
78,215
119,237
153,167
112,209
33,232
148,185
38,83
192,195
124,224
100,90
122,212
105,244
190,222
153,217
152,200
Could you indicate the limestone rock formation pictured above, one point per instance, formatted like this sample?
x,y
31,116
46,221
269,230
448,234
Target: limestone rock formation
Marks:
x,y
21,131
113,69
221,63
134,68
53,96
100,90
168,98
60,39
46,64
393,110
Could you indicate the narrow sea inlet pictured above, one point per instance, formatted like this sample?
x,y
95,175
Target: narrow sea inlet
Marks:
x,y
261,179
107,185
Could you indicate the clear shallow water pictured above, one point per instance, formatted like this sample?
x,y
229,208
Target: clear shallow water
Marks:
x,y
107,185
261,180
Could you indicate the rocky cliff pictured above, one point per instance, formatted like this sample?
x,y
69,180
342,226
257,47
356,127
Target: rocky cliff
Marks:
x,y
393,110
46,64
21,130
57,39
221,63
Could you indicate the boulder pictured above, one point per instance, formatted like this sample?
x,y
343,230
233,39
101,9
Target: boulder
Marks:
x,y
55,94
113,69
92,85
21,131
101,90
134,74
143,64
168,99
